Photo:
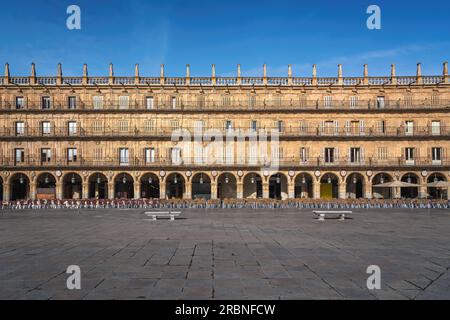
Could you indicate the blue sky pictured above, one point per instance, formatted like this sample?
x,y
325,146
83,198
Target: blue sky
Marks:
x,y
275,32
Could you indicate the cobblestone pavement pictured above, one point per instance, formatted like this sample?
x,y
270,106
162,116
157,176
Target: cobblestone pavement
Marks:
x,y
224,254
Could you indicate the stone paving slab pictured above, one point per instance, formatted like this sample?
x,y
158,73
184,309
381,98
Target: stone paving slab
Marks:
x,y
224,254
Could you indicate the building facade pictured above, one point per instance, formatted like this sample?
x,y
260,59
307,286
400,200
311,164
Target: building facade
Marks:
x,y
113,137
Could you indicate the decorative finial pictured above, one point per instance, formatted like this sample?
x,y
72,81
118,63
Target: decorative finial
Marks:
x,y
289,70
136,70
314,71
111,70
85,70
239,70
264,70
339,70
161,73
213,70
7,70
33,70
188,71
59,70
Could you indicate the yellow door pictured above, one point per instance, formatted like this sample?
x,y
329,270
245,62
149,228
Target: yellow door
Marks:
x,y
326,191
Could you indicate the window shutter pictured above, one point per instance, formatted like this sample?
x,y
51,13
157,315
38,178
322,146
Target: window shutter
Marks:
x,y
362,129
336,127
336,153
347,127
362,155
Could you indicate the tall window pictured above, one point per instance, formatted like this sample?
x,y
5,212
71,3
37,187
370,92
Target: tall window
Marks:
x,y
353,101
409,155
46,103
382,153
381,127
98,126
355,155
304,154
20,128
98,154
380,102
174,102
71,155
72,103
409,128
72,128
149,103
252,101
20,103
97,102
124,156
123,125
46,128
175,155
46,155
303,127
124,102
329,155
254,125
149,125
436,155
327,101
226,100
228,125
19,155
149,154
435,127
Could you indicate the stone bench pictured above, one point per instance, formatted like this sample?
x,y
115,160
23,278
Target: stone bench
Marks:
x,y
339,213
163,214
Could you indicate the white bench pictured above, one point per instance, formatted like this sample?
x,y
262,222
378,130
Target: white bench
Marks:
x,y
339,213
163,214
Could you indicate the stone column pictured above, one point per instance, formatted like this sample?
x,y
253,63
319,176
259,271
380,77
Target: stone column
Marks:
x,y
240,190
6,195
368,190
265,190
213,190
316,190
162,190
85,191
111,189
419,73
342,190
291,189
137,189
423,190
32,190
59,190
188,191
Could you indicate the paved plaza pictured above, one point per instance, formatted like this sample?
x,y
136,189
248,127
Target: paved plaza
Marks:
x,y
224,254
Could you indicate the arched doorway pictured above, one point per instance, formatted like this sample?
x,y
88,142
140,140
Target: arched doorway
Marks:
x,y
355,186
72,186
226,186
201,186
175,186
253,186
20,187
410,192
124,186
98,186
329,186
278,186
46,186
150,186
303,186
381,192
437,192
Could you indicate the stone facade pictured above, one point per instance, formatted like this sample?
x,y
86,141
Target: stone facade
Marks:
x,y
110,137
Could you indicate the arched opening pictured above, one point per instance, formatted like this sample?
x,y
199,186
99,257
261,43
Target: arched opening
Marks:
x,y
410,192
201,186
226,186
303,187
436,189
381,192
175,186
46,186
20,187
124,186
355,186
150,186
253,186
98,186
278,186
329,186
72,186
1,189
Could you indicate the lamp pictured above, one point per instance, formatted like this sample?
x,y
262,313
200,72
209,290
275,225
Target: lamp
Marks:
x,y
278,179
124,179
175,180
436,179
354,180
409,179
329,179
46,180
98,179
303,179
21,180
252,179
381,179
72,179
201,178
150,180
227,179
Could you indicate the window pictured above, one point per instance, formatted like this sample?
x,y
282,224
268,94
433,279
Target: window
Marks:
x,y
71,154
149,125
409,128
124,102
409,155
98,154
201,101
303,127
175,124
149,103
98,126
123,125
436,155
252,101
280,126
174,102
408,100
72,103
46,103
434,99
149,154
329,155
175,155
20,102
435,127
381,126
19,155
253,125
380,102
20,128
327,101
228,125
124,156
46,155
46,128
353,101
304,154
226,101
382,153
355,155
72,128
329,127
98,102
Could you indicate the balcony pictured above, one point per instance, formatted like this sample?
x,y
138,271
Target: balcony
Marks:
x,y
291,162
287,133
182,105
